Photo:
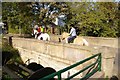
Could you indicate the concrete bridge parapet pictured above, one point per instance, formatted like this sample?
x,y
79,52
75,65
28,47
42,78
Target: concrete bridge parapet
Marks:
x,y
60,55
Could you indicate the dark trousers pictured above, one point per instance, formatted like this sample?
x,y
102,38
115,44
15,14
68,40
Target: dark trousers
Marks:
x,y
71,39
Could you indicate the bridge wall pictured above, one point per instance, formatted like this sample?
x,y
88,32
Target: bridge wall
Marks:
x,y
59,55
99,41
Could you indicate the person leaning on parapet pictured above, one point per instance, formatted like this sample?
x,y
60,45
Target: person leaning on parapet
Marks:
x,y
72,34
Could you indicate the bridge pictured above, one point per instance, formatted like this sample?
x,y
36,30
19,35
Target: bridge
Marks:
x,y
60,55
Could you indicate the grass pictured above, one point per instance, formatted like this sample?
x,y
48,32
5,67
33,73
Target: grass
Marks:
x,y
9,55
5,76
9,50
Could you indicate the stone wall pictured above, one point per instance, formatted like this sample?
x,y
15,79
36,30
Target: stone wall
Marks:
x,y
60,55
99,41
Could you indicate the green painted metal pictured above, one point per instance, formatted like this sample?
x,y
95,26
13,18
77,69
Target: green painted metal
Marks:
x,y
98,68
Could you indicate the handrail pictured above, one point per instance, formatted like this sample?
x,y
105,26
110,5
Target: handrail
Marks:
x,y
98,62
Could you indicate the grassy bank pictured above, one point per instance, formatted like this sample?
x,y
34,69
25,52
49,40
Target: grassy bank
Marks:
x,y
9,55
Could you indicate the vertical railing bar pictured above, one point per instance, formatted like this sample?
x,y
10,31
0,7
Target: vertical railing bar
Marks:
x,y
89,75
100,61
59,76
81,71
98,68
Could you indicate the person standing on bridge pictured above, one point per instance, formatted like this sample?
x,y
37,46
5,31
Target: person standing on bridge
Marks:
x,y
72,34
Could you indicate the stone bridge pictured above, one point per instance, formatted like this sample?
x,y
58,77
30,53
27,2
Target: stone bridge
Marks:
x,y
60,55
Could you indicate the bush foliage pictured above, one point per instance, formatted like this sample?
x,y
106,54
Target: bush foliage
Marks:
x,y
90,18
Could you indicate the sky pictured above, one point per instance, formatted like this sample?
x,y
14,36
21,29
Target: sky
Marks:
x,y
117,0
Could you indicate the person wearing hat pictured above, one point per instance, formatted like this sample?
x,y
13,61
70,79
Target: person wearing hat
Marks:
x,y
72,33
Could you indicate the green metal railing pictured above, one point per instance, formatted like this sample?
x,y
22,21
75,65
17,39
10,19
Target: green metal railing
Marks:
x,y
96,66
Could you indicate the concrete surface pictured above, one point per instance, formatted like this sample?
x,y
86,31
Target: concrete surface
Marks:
x,y
59,55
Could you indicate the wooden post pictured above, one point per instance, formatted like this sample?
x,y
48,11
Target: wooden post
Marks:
x,y
10,40
52,30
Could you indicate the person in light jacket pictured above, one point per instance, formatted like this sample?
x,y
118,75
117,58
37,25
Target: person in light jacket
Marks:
x,y
73,34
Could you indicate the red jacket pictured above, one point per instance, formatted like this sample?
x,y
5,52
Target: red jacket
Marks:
x,y
39,30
